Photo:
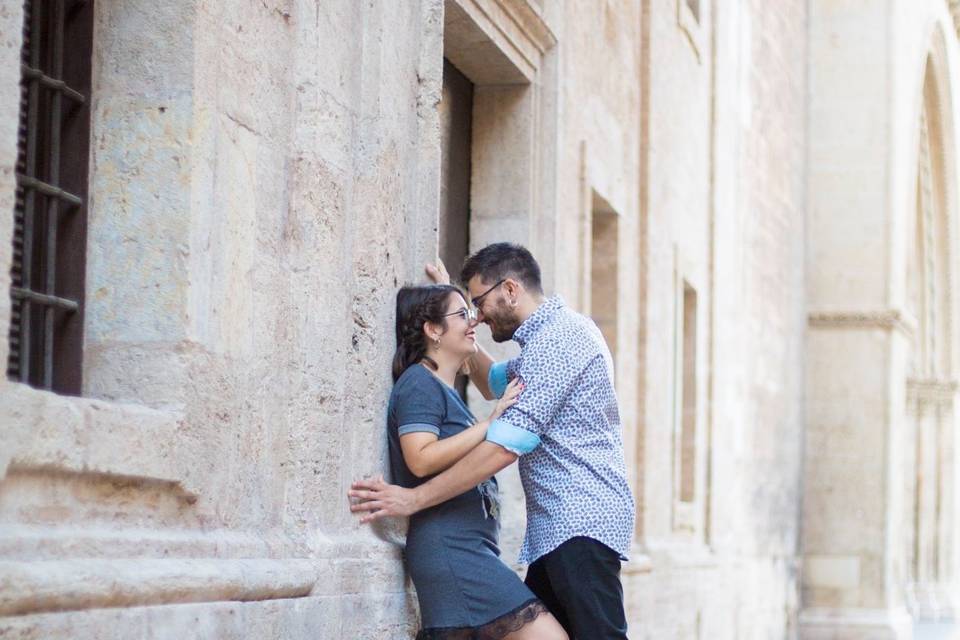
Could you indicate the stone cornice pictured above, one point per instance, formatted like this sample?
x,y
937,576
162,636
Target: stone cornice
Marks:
x,y
65,585
886,319
926,392
530,19
495,41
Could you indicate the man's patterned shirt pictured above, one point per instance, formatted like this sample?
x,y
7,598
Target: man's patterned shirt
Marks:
x,y
566,429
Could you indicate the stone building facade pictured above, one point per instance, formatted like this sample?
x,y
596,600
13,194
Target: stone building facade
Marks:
x,y
756,201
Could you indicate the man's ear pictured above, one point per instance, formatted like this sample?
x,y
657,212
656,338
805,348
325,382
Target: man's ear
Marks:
x,y
478,282
512,288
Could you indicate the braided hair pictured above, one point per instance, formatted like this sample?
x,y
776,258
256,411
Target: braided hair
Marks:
x,y
415,306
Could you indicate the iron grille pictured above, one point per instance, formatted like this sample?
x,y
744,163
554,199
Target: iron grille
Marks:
x,y
49,238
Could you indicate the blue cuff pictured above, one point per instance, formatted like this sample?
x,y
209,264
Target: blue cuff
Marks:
x,y
497,378
511,438
418,427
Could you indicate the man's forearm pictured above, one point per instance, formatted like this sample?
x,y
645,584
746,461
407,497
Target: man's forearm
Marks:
x,y
482,463
443,453
480,371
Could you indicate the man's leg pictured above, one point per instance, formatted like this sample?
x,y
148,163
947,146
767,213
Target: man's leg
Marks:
x,y
584,576
538,582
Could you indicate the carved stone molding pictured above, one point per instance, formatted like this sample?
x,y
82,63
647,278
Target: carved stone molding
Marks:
x,y
954,6
691,18
932,390
218,566
529,17
496,41
887,320
65,585
84,435
894,622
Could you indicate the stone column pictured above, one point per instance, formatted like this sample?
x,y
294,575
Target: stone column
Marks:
x,y
858,336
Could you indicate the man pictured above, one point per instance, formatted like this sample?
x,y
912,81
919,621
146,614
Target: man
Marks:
x,y
565,430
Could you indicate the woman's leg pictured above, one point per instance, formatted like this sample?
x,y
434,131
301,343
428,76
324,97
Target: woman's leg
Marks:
x,y
543,627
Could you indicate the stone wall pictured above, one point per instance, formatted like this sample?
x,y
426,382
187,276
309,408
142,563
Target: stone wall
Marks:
x,y
264,175
881,383
724,213
260,185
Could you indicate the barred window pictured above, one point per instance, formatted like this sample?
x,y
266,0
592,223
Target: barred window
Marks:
x,y
49,239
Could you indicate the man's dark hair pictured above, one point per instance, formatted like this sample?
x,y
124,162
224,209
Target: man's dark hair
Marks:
x,y
503,260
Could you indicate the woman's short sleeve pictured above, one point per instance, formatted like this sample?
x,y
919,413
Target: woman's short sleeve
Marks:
x,y
420,407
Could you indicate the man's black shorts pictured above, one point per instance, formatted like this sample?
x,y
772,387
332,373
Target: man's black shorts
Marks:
x,y
579,581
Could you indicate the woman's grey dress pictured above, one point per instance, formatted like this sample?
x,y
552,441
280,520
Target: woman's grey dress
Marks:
x,y
452,553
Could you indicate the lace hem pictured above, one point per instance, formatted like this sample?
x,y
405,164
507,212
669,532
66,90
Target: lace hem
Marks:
x,y
493,630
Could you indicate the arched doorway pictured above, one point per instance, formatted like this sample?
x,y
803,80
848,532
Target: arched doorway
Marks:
x,y
931,387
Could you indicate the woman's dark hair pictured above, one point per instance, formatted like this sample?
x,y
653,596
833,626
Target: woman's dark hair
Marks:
x,y
503,260
415,306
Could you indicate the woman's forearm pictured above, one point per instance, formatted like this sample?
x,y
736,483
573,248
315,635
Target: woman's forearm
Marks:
x,y
438,455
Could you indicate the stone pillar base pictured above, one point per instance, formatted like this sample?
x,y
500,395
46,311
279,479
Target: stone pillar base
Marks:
x,y
932,602
855,624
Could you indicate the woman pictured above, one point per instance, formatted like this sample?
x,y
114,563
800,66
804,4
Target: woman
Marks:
x,y
465,590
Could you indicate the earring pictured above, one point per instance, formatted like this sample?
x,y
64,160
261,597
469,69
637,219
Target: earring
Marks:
x,y
436,343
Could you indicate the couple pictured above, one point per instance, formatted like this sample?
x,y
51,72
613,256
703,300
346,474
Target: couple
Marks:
x,y
557,412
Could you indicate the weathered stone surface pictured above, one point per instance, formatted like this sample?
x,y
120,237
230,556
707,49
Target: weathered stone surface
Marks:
x,y
265,175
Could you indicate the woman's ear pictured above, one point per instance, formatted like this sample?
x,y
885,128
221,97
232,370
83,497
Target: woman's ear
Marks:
x,y
430,330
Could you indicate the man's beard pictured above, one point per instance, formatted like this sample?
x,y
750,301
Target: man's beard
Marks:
x,y
504,325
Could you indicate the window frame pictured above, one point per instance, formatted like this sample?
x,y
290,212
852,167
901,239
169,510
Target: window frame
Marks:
x,y
50,213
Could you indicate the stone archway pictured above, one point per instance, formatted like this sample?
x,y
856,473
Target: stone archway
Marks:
x,y
931,382
879,498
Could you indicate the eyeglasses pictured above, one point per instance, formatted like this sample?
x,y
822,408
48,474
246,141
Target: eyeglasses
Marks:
x,y
468,315
479,299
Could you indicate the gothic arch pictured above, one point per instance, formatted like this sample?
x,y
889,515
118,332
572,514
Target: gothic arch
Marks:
x,y
930,245
934,132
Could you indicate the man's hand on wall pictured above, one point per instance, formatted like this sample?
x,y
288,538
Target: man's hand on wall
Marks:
x,y
437,273
380,499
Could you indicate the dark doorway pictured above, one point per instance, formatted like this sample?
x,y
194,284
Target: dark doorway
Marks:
x,y
456,116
